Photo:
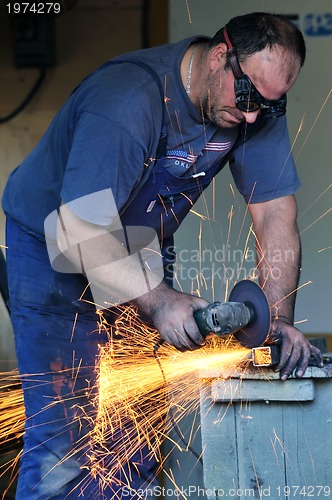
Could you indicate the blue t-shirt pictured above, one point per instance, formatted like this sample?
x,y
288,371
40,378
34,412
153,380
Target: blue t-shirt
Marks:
x,y
108,131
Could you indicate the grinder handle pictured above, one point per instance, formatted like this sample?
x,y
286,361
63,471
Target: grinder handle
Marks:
x,y
201,319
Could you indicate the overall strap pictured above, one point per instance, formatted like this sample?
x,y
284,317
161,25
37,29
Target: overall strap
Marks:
x,y
162,144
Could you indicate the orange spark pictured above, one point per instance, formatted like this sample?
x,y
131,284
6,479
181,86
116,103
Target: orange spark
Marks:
x,y
315,121
139,387
324,249
201,216
188,10
315,201
291,293
318,219
246,212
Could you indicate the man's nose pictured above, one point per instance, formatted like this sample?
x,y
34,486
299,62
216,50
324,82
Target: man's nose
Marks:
x,y
252,116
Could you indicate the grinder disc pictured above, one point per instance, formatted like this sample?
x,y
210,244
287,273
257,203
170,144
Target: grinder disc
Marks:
x,y
254,333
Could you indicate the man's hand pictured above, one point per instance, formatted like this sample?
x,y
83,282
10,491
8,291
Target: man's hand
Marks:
x,y
172,313
296,350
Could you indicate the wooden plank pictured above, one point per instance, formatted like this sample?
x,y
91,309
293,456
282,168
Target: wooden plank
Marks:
x,y
219,444
240,447
307,442
262,390
260,434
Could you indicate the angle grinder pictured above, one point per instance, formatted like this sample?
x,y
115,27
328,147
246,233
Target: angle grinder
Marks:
x,y
246,315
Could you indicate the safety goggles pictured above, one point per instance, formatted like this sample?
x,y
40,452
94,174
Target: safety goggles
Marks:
x,y
247,97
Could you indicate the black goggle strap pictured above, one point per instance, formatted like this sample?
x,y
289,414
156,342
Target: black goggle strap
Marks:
x,y
237,71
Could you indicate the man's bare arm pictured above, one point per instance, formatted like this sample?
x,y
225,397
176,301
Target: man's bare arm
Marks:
x,y
279,260
105,261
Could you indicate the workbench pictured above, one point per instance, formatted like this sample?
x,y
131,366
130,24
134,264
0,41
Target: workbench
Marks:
x,y
263,438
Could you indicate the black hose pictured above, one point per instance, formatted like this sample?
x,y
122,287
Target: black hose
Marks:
x,y
27,100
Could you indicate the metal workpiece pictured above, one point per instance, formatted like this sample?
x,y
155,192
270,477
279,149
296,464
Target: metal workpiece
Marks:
x,y
265,355
269,355
247,371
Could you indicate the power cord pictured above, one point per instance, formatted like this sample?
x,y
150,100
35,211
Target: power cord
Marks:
x,y
26,101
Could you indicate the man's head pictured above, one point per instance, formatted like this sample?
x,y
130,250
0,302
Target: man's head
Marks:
x,y
259,56
254,32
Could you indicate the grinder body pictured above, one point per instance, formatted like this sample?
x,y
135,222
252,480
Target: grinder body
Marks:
x,y
222,318
246,315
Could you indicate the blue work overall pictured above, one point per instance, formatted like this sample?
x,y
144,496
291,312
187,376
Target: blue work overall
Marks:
x,y
57,340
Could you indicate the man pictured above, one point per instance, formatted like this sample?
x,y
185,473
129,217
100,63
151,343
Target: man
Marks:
x,y
134,146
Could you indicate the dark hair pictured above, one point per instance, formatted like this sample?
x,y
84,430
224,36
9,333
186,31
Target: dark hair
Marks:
x,y
254,32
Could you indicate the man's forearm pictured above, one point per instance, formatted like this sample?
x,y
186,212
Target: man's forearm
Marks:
x,y
279,271
113,272
279,257
279,254
129,277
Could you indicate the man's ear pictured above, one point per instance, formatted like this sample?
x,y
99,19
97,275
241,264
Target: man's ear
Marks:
x,y
217,53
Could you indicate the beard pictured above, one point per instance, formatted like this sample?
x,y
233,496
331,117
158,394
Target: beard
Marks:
x,y
213,109
222,116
